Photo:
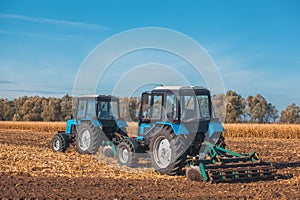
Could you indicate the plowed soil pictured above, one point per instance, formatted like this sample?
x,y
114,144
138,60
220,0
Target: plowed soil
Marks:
x,y
29,169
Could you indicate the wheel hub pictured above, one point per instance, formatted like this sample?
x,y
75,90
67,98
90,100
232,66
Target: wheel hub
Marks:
x,y
108,151
124,155
85,140
162,153
56,145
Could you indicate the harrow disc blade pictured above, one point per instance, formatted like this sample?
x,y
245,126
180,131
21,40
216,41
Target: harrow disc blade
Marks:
x,y
242,174
193,173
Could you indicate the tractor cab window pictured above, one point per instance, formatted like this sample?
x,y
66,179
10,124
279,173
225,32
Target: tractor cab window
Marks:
x,y
194,107
108,110
188,107
156,107
91,109
81,108
170,107
146,98
203,102
114,109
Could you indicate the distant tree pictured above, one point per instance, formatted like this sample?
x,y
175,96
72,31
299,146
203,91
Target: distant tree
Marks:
x,y
235,104
258,108
246,113
38,109
51,109
2,110
18,103
7,110
26,107
66,107
290,114
31,109
273,113
45,106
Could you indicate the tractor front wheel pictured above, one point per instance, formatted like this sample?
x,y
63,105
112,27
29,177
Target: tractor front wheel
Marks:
x,y
60,142
88,138
125,154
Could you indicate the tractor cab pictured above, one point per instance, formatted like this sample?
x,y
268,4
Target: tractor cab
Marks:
x,y
174,105
102,111
99,107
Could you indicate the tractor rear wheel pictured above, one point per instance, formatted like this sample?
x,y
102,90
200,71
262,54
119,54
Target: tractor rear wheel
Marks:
x,y
168,152
88,138
60,142
125,153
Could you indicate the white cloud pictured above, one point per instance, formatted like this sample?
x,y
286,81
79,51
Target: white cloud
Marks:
x,y
53,21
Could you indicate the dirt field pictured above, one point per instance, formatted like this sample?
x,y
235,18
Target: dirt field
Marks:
x,y
29,169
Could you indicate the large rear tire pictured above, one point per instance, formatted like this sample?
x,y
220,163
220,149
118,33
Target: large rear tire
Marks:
x,y
168,152
88,138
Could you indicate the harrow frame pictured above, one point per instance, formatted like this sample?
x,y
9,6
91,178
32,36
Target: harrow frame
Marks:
x,y
224,165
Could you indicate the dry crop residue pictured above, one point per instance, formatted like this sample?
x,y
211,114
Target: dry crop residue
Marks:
x,y
29,169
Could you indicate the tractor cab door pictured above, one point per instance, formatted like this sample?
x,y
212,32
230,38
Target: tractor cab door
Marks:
x,y
108,110
150,112
158,107
144,116
170,108
156,110
86,109
151,108
108,114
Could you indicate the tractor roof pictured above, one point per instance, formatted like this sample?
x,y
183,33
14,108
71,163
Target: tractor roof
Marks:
x,y
181,89
98,97
172,87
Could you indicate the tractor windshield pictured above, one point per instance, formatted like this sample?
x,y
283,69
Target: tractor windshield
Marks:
x,y
195,107
108,110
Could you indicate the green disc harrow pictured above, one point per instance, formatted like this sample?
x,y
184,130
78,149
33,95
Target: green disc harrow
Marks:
x,y
223,165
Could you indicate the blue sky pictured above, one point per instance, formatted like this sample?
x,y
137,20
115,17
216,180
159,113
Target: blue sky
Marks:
x,y
255,44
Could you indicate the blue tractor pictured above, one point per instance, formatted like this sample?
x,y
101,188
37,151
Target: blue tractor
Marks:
x,y
173,123
179,133
96,122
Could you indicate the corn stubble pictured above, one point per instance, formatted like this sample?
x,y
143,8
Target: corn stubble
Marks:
x,y
29,152
24,151
280,131
284,131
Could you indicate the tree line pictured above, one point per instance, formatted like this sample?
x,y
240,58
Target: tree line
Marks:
x,y
253,109
37,108
231,108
